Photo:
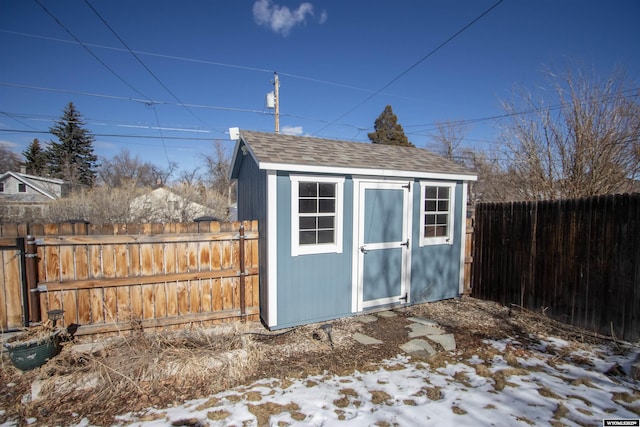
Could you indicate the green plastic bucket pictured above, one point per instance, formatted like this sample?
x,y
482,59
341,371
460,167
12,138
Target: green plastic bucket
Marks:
x,y
31,354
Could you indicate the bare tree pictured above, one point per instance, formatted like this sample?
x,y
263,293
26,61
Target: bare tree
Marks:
x,y
9,161
217,166
189,177
124,169
98,205
447,142
161,176
587,145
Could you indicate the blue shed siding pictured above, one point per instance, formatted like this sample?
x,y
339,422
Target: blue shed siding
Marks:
x,y
435,269
252,204
312,288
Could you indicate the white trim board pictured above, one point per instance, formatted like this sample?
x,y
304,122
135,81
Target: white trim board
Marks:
x,y
272,248
365,172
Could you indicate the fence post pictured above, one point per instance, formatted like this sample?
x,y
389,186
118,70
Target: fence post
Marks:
x,y
243,273
31,275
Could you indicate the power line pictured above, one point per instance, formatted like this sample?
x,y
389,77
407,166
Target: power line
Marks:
x,y
115,135
89,50
402,74
142,101
620,94
202,61
157,79
71,92
166,154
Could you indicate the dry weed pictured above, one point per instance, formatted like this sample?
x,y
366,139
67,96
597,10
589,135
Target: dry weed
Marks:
x,y
379,397
138,371
263,412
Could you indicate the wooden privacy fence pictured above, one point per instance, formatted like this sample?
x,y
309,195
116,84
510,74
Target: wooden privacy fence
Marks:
x,y
578,261
160,276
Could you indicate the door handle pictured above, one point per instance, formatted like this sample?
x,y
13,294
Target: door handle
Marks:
x,y
363,249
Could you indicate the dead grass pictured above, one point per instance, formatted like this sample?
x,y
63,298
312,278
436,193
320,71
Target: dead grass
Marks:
x,y
133,373
264,411
145,369
379,397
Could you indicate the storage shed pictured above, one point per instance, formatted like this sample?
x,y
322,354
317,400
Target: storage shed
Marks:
x,y
347,227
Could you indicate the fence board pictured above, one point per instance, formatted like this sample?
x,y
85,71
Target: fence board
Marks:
x,y
96,306
575,260
161,275
11,313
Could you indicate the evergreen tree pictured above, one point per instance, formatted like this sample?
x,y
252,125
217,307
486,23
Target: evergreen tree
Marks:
x,y
35,159
388,130
72,158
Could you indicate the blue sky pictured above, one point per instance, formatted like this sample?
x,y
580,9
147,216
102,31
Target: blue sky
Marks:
x,y
335,60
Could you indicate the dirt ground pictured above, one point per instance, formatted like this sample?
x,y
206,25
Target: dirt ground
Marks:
x,y
142,370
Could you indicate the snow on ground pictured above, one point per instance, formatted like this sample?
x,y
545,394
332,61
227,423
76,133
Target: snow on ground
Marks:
x,y
555,384
543,390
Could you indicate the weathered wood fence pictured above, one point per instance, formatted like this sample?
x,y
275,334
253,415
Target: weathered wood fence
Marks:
x,y
578,261
118,277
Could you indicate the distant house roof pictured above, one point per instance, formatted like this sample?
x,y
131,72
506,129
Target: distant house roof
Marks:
x,y
163,204
48,187
319,155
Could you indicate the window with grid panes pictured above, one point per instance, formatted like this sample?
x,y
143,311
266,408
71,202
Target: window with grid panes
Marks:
x,y
437,213
316,214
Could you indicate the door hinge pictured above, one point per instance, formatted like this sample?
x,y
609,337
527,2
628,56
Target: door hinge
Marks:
x,y
404,298
408,187
405,244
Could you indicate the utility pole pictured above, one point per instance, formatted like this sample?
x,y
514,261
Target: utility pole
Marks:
x,y
276,84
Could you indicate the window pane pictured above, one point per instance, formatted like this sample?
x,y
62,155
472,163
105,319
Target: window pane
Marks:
x,y
431,192
443,205
325,236
443,192
441,219
327,190
430,205
430,219
308,223
326,222
429,231
327,205
308,189
307,237
441,231
308,206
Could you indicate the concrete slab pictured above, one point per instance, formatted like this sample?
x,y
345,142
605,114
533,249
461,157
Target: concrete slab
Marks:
x,y
89,348
423,321
365,339
420,330
366,318
447,341
419,348
386,314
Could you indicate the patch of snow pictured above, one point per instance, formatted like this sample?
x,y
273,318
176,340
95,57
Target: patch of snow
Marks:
x,y
408,393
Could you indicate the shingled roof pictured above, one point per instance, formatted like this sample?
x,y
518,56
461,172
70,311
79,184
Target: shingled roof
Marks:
x,y
289,152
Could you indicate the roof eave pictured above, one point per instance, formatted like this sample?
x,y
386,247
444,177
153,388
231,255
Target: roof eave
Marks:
x,y
367,172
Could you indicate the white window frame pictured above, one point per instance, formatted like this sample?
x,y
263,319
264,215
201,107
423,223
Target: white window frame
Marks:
x,y
324,248
440,240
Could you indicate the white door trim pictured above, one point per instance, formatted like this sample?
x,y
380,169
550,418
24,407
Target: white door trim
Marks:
x,y
359,185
